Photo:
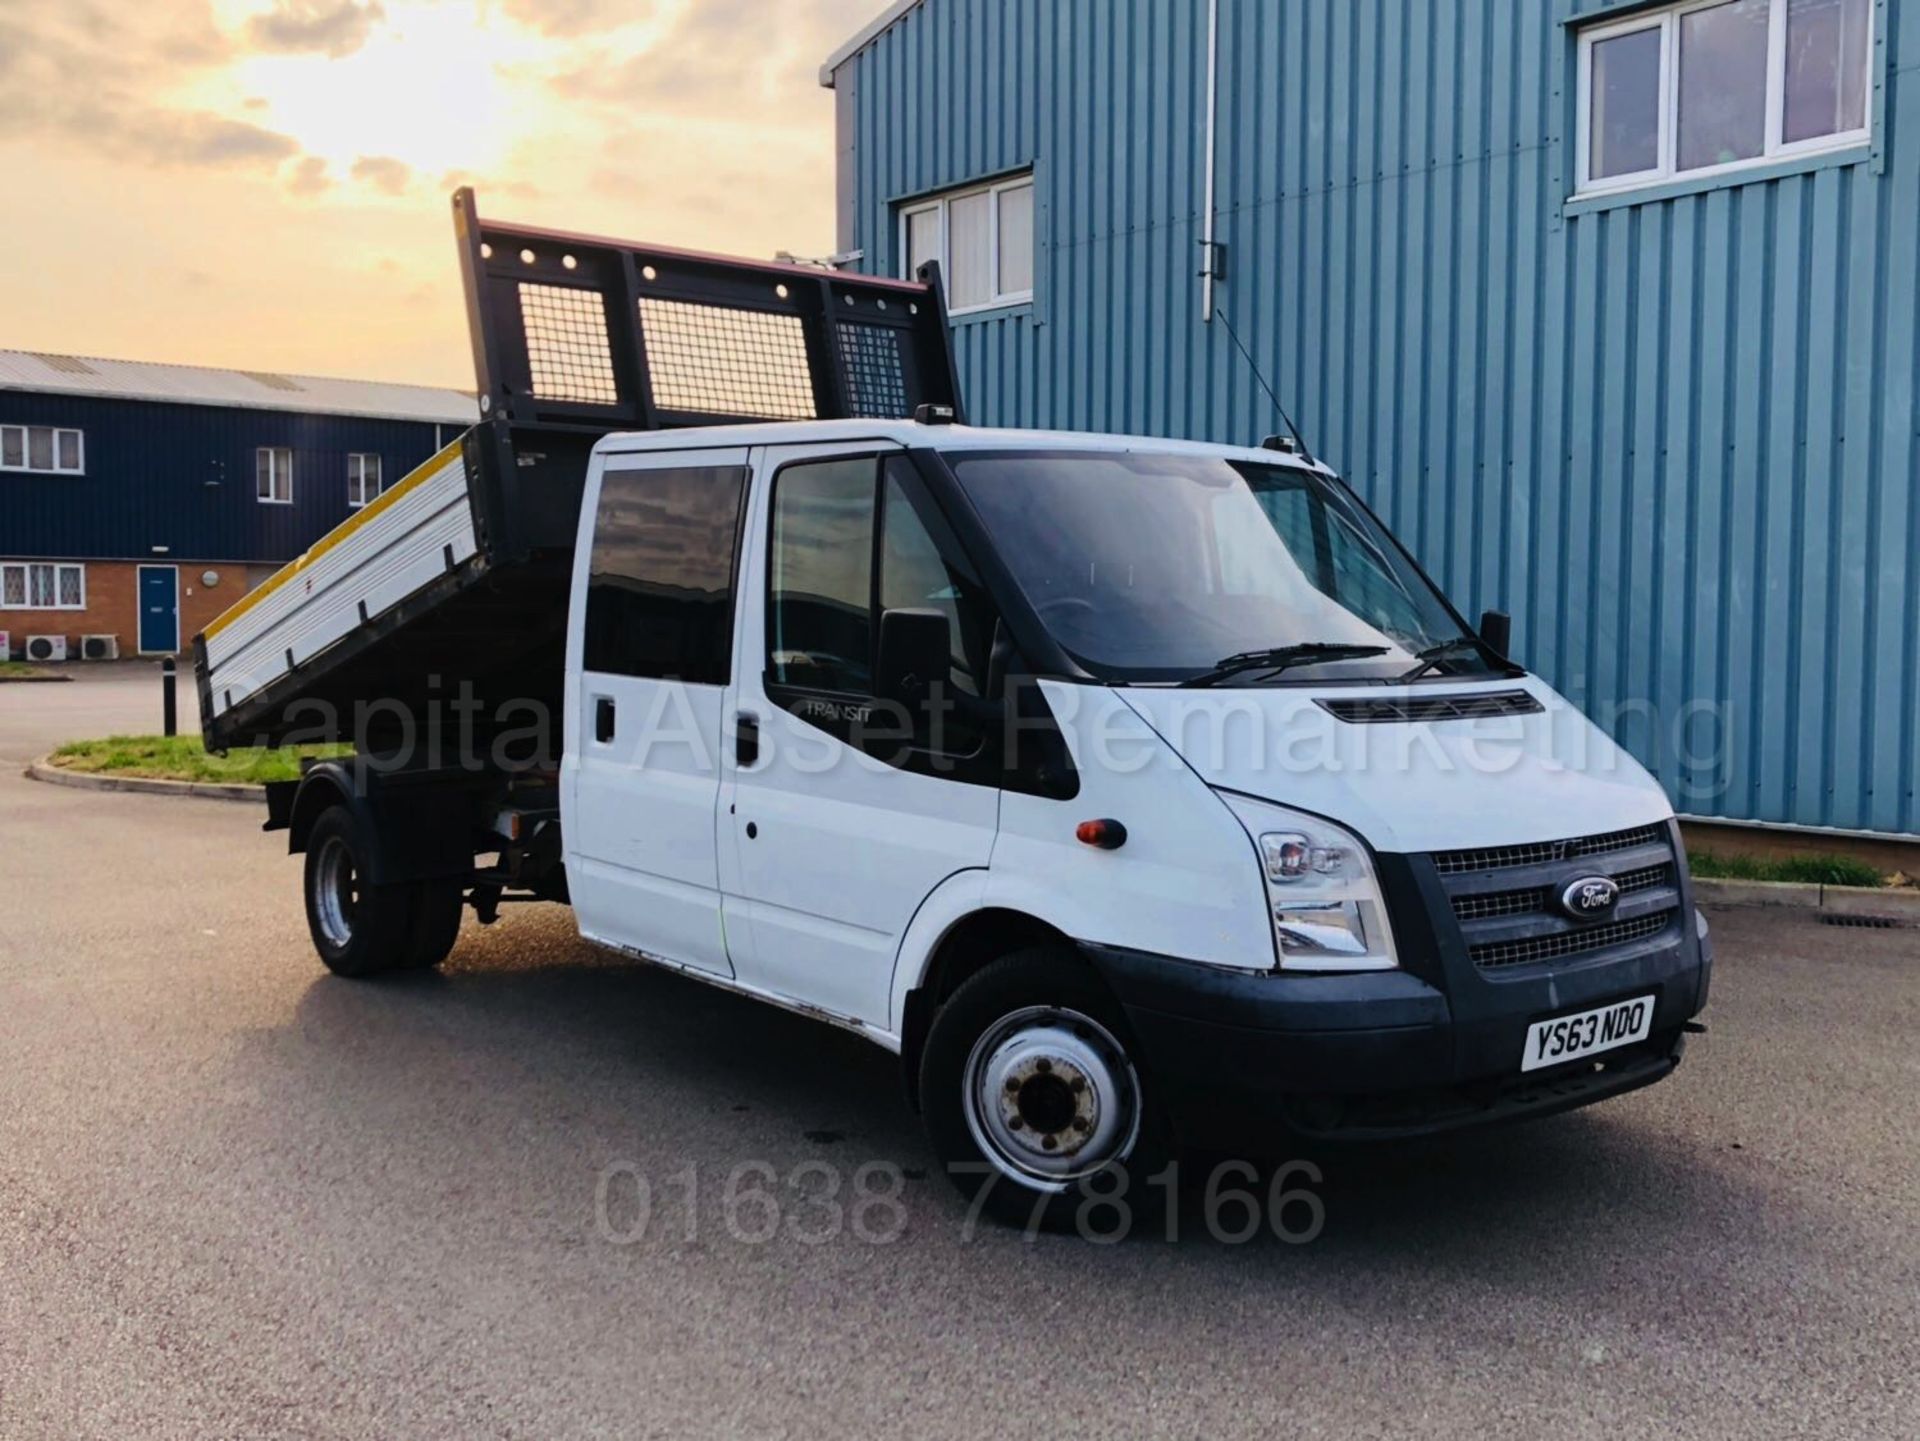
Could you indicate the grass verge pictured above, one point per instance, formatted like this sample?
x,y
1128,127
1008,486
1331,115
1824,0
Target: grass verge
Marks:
x,y
1807,870
18,670
183,758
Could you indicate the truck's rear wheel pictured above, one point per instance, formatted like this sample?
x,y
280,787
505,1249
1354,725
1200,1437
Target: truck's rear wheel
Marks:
x,y
437,910
1030,1093
365,930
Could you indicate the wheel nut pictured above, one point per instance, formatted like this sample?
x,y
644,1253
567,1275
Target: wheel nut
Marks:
x,y
1078,1084
1014,1123
1048,1142
1043,1065
1013,1084
1080,1123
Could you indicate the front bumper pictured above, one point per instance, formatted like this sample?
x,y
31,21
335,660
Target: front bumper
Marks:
x,y
1245,1058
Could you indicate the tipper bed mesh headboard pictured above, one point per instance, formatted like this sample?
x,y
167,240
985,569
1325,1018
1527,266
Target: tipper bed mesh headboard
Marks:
x,y
576,333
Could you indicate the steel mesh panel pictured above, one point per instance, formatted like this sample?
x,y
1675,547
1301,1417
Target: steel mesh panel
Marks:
x,y
567,350
720,360
1497,857
1502,903
1616,841
1571,943
1645,879
1540,898
876,378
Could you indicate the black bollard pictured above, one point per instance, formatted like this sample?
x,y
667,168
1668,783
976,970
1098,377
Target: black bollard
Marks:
x,y
169,706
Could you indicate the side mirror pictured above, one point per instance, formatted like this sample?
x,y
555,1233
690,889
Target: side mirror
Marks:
x,y
1496,629
916,649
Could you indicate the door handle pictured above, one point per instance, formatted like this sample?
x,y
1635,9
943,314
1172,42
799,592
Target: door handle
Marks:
x,y
603,718
746,739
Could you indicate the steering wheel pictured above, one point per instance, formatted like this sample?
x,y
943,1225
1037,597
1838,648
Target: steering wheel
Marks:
x,y
1063,602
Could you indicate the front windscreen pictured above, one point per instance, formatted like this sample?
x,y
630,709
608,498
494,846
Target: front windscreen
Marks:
x,y
1150,567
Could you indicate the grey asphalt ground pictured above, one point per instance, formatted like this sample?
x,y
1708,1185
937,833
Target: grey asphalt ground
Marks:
x,y
241,1198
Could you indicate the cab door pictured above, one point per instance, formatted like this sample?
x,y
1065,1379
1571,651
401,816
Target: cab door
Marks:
x,y
836,826
649,659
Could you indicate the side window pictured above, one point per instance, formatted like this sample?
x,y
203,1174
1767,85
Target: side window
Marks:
x,y
915,575
273,475
363,479
834,522
660,583
820,607
1299,522
1334,555
1365,583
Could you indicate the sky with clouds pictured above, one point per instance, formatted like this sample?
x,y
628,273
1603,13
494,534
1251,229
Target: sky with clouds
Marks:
x,y
262,183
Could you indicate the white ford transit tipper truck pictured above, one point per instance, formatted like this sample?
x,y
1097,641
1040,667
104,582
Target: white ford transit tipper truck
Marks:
x,y
1137,793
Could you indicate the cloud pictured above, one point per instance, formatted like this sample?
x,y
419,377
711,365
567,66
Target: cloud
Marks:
x,y
736,60
116,126
724,19
81,74
329,27
199,138
485,185
568,18
383,173
309,176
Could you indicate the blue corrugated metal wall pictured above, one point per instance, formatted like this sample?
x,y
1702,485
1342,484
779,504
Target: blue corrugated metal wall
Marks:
x,y
148,468
1675,437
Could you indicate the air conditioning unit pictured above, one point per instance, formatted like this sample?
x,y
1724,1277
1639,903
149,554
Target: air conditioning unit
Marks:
x,y
99,647
46,647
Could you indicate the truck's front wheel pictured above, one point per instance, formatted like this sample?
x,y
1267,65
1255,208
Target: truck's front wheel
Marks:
x,y
361,929
1035,1102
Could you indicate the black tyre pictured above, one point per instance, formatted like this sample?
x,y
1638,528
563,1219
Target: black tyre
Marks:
x,y
1031,1092
437,910
358,929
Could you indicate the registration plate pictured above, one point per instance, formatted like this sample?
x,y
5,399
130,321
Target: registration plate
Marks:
x,y
1567,1038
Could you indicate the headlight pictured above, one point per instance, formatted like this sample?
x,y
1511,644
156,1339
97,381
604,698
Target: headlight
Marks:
x,y
1328,911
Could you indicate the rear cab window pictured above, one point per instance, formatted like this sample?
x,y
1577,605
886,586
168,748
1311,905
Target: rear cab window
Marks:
x,y
660,583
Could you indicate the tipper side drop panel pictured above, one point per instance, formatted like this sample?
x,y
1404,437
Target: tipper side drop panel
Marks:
x,y
451,589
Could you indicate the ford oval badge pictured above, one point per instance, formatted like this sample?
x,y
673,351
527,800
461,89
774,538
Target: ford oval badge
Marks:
x,y
1590,898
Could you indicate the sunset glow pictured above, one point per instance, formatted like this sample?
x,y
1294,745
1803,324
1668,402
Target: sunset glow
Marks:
x,y
428,89
281,167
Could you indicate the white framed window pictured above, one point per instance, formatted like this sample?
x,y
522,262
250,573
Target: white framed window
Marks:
x,y
1717,85
273,475
363,478
982,235
48,449
42,585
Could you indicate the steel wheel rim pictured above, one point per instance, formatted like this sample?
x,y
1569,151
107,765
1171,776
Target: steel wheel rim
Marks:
x,y
1050,1097
333,896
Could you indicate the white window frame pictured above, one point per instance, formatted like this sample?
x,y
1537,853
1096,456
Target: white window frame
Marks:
x,y
25,567
26,465
939,204
359,459
1775,148
274,475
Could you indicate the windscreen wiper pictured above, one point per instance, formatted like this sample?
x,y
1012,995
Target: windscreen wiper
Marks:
x,y
1281,657
1427,659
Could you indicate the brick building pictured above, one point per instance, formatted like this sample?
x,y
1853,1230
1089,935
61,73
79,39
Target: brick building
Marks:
x,y
138,501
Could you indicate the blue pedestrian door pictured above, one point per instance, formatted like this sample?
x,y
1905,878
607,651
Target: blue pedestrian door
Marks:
x,y
159,609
